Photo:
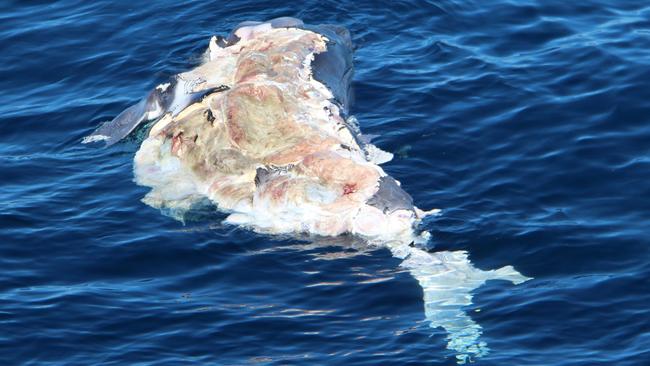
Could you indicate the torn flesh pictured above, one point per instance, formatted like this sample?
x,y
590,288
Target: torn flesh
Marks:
x,y
273,116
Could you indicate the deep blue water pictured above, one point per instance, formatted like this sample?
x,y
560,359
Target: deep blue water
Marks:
x,y
527,122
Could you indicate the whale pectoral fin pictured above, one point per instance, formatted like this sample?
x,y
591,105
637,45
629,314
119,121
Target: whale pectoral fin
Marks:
x,y
169,97
121,126
147,109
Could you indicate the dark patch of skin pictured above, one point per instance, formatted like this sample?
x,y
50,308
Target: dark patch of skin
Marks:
x,y
232,39
260,176
333,67
222,42
209,116
390,197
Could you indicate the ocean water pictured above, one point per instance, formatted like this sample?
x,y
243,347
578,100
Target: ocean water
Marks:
x,y
526,122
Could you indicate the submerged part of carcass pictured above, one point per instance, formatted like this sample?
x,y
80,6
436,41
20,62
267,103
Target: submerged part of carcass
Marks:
x,y
262,130
448,280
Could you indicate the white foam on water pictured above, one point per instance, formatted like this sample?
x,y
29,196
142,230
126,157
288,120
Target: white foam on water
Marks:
x,y
94,138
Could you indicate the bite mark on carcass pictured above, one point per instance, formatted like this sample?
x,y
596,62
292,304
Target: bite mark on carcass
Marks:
x,y
349,188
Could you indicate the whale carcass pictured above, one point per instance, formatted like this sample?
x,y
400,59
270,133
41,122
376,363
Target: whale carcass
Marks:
x,y
262,130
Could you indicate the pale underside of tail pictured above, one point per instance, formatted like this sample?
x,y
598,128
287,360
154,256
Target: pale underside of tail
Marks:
x,y
448,280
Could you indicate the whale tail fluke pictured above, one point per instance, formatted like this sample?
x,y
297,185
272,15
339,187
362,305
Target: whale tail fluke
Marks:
x,y
509,273
448,280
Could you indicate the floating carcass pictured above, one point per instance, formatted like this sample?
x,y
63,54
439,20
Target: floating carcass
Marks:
x,y
262,130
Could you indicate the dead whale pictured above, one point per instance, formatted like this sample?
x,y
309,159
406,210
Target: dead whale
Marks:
x,y
262,130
